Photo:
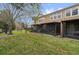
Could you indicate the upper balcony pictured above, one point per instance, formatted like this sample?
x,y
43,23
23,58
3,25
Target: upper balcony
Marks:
x,y
50,18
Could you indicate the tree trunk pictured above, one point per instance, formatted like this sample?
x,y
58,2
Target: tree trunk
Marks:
x,y
10,29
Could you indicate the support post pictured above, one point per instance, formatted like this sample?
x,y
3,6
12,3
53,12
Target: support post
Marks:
x,y
62,29
44,28
55,29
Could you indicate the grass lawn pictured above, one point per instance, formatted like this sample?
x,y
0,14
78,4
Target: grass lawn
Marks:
x,y
37,44
2,34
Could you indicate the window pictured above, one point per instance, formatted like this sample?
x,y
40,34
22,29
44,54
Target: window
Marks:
x,y
51,17
59,16
55,17
75,12
68,13
76,26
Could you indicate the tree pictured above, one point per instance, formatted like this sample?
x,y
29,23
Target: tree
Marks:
x,y
35,18
3,21
20,10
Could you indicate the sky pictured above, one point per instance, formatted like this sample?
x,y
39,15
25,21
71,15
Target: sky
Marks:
x,y
51,7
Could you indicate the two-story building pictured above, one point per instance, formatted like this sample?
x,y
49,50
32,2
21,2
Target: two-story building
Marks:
x,y
64,22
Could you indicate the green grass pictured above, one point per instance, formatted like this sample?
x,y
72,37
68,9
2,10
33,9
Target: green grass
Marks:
x,y
38,44
2,34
